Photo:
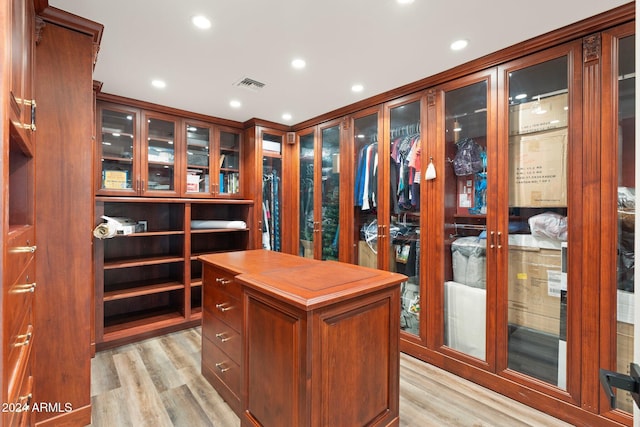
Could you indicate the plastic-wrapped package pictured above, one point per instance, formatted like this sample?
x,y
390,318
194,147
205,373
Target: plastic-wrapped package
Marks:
x,y
469,261
550,225
626,238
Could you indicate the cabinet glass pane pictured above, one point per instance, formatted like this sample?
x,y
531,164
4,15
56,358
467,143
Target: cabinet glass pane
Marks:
x,y
365,139
537,153
406,168
229,163
117,149
626,212
465,210
198,149
160,155
307,194
330,192
271,193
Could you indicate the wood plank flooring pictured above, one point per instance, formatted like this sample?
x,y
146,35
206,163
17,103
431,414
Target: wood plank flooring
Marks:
x,y
157,383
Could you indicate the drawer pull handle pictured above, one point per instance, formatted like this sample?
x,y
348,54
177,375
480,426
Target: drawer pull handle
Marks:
x,y
25,401
221,367
223,281
23,249
25,288
26,338
223,307
223,337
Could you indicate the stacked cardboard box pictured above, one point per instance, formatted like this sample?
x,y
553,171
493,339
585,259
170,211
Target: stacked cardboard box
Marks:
x,y
535,283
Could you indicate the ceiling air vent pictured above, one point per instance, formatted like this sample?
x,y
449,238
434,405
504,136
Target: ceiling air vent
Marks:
x,y
250,84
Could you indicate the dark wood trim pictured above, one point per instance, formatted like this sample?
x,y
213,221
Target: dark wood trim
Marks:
x,y
74,23
565,34
129,102
254,122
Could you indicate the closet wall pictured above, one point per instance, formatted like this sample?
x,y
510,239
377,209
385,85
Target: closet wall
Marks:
x,y
531,150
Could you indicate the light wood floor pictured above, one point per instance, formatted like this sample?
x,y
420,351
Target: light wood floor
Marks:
x,y
157,383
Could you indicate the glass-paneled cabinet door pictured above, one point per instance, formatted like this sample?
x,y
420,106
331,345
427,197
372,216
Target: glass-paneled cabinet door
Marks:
x,y
197,177
228,163
466,179
119,152
537,212
619,203
330,192
368,229
161,146
309,225
272,191
402,226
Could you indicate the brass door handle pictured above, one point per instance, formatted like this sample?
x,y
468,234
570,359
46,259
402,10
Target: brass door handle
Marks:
x,y
223,307
23,288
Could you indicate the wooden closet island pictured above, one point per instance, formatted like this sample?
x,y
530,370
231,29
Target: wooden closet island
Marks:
x,y
294,341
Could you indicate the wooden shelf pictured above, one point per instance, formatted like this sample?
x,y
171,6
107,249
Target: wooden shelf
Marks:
x,y
118,159
216,230
140,262
151,233
132,324
164,292
136,291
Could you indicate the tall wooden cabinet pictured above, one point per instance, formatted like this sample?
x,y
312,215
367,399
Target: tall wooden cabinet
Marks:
x,y
321,197
268,146
178,176
65,56
17,363
504,190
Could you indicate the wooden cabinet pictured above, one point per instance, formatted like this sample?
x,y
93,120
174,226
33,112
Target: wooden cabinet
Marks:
x,y
212,161
323,196
149,282
524,224
22,49
17,204
292,332
267,148
64,216
144,152
222,332
297,369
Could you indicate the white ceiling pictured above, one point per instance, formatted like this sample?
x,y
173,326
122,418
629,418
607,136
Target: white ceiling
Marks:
x,y
377,43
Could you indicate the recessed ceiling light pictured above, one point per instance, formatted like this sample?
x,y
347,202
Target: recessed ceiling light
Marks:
x,y
357,88
404,1
160,84
234,103
286,116
459,44
201,22
298,63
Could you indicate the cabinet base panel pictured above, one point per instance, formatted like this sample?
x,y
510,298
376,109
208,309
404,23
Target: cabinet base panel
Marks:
x,y
77,417
130,336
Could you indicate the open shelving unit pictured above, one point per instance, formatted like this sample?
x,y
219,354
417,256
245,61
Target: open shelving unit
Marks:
x,y
149,283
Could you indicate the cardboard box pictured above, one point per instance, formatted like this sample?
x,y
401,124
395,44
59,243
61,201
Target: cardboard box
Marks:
x,y
534,288
538,169
368,258
539,115
624,353
114,179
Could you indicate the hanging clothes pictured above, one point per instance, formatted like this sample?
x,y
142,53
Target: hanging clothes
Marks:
x,y
271,211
